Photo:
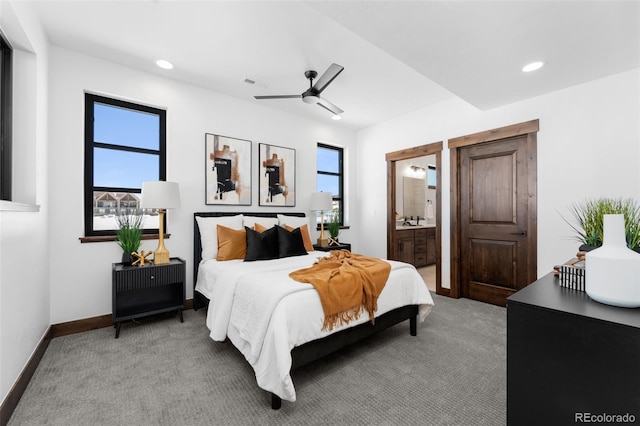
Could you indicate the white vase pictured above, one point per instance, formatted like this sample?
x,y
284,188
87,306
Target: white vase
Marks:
x,y
612,274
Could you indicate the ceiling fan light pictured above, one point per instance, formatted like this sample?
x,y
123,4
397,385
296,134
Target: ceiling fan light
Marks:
x,y
336,117
310,99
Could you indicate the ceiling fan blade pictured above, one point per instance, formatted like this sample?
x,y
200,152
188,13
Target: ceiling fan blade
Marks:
x,y
329,75
329,106
279,97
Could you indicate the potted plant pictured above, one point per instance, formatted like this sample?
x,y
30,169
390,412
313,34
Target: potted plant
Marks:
x,y
334,228
129,234
589,216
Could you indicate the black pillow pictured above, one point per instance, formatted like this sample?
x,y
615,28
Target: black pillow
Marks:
x,y
290,243
261,246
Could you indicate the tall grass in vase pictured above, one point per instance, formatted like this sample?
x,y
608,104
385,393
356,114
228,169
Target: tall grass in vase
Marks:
x,y
129,234
589,215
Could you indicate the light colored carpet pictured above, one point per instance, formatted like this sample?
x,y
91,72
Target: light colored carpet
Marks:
x,y
164,372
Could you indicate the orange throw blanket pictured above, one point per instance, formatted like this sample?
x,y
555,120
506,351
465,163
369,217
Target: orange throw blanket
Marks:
x,y
347,284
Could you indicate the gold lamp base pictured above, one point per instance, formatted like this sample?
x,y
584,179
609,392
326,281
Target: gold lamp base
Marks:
x,y
161,255
323,242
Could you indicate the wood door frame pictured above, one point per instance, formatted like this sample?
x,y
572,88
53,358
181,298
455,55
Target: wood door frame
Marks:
x,y
434,148
528,128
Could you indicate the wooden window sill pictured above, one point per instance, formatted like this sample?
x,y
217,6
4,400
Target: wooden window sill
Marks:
x,y
326,227
103,238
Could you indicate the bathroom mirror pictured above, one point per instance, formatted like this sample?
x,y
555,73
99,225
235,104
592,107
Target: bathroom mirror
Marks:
x,y
413,195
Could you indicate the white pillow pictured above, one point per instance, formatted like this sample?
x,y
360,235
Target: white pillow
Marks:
x,y
208,227
292,221
267,222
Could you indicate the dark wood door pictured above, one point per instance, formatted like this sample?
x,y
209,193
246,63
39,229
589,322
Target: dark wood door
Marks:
x,y
494,219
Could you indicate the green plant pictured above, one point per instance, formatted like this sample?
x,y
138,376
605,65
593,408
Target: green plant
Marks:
x,y
129,231
589,216
334,226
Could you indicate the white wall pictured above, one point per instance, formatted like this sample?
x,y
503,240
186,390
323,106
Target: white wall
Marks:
x,y
81,273
24,247
588,146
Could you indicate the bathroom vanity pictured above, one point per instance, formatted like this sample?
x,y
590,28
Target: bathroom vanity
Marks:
x,y
416,244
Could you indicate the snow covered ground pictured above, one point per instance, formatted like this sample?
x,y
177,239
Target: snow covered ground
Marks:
x,y
101,223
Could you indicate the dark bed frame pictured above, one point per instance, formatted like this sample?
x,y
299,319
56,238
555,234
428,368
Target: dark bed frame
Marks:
x,y
316,349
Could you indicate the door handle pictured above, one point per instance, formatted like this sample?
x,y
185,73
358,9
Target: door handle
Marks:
x,y
519,233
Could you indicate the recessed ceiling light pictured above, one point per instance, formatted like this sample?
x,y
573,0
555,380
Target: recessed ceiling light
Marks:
x,y
337,117
533,66
164,64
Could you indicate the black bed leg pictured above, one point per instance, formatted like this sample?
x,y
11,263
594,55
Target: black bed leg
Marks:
x,y
196,302
276,402
413,325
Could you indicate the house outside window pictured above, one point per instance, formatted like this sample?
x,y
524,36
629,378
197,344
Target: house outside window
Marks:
x,y
125,144
6,83
330,178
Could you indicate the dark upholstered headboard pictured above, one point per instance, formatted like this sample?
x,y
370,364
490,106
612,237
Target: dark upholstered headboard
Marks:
x,y
197,247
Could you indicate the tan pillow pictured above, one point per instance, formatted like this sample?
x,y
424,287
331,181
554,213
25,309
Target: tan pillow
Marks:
x,y
259,228
306,238
232,243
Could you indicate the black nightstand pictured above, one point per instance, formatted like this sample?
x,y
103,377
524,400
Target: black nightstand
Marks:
x,y
139,291
341,246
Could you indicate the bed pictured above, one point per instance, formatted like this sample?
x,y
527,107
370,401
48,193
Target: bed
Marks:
x,y
275,322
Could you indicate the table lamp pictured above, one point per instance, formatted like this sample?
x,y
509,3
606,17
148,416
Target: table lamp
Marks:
x,y
321,201
160,195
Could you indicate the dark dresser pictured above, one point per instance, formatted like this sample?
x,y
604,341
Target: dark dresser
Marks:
x,y
569,358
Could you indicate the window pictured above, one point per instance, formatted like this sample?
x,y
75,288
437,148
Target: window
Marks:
x,y
5,118
330,177
432,176
125,144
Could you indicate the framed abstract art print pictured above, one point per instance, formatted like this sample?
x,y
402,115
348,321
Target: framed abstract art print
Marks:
x,y
277,176
227,170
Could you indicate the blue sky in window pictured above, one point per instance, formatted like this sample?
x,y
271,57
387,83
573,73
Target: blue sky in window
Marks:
x,y
121,126
126,127
328,161
123,169
432,177
328,184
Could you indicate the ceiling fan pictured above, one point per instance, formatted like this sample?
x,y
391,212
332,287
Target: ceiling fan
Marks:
x,y
312,94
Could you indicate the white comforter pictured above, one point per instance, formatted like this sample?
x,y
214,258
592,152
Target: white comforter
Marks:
x,y
265,313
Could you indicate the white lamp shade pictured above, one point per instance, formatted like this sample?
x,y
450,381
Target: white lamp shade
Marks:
x,y
321,201
160,195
